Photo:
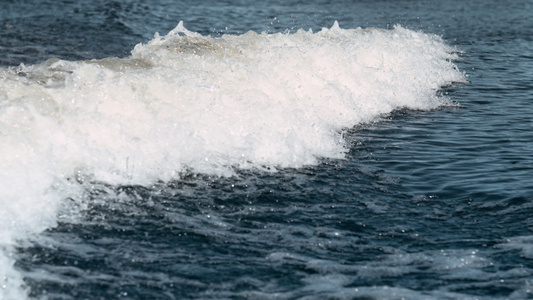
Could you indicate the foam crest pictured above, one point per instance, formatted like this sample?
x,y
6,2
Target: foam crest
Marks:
x,y
190,102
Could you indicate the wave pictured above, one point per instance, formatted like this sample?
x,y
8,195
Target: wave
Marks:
x,y
186,102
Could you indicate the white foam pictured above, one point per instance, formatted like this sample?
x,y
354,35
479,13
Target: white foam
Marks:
x,y
185,101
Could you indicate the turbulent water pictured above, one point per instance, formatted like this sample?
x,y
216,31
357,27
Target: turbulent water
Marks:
x,y
341,150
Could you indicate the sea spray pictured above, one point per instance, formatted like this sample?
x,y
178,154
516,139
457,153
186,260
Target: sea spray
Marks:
x,y
190,102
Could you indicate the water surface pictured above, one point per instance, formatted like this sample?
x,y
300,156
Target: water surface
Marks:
x,y
420,189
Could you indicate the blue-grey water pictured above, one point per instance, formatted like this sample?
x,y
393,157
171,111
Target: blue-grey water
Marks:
x,y
431,204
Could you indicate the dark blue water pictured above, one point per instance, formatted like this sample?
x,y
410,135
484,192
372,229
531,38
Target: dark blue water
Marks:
x,y
434,204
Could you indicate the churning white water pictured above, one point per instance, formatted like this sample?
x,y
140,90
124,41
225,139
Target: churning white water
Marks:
x,y
190,102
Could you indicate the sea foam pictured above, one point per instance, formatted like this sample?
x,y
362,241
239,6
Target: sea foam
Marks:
x,y
185,102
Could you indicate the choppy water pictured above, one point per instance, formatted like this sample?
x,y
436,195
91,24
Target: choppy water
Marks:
x,y
219,163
